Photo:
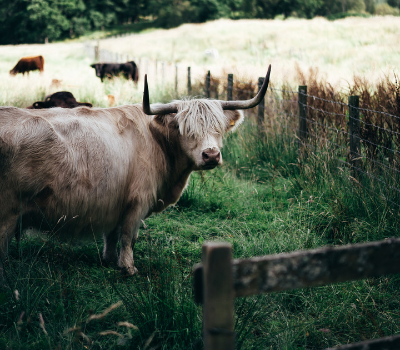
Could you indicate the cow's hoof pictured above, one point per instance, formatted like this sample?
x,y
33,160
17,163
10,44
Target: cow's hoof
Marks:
x,y
129,271
109,262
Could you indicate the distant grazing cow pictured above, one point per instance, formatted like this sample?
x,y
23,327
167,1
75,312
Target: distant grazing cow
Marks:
x,y
129,70
27,64
102,171
62,99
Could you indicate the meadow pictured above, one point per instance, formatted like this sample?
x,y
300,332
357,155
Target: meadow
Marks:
x,y
340,49
265,199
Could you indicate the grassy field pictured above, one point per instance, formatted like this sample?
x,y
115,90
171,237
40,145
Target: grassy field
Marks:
x,y
263,200
354,45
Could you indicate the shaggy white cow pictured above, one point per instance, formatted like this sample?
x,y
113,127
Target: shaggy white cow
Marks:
x,y
104,170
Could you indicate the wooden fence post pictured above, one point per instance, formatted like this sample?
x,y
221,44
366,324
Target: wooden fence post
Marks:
x,y
354,133
163,72
96,53
302,103
229,90
261,106
207,84
189,82
218,297
176,78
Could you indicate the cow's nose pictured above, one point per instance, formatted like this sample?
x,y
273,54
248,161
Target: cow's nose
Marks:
x,y
211,157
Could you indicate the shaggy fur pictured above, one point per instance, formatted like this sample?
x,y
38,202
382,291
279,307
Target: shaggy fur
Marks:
x,y
194,118
102,171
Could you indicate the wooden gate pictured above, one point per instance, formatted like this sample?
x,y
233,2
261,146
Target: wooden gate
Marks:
x,y
218,280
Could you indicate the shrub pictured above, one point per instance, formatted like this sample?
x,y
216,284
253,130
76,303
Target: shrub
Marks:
x,y
385,9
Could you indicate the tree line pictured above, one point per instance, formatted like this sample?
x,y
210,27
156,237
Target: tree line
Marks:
x,y
34,21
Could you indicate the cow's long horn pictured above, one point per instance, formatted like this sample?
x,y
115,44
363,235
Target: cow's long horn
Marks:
x,y
157,109
231,105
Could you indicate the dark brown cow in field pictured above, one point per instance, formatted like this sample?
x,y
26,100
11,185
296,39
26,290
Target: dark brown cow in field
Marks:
x,y
27,64
103,171
63,99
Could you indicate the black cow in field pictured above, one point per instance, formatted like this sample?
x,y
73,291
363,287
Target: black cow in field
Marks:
x,y
63,99
129,70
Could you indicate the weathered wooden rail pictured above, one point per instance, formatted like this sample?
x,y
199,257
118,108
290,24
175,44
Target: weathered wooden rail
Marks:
x,y
219,279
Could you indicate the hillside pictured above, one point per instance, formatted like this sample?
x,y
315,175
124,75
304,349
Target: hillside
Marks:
x,y
338,49
361,46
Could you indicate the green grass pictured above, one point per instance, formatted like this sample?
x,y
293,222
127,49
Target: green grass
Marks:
x,y
264,200
260,201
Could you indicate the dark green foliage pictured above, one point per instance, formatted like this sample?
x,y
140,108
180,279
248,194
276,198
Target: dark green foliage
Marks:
x,y
394,3
24,21
30,21
370,6
272,8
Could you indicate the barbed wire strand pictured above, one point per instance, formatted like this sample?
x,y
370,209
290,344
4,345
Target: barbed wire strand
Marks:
x,y
323,99
378,112
375,126
358,155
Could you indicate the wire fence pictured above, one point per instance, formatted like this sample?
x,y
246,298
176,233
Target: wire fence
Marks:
x,y
357,139
350,135
362,140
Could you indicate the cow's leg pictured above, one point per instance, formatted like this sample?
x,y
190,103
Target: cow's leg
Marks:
x,y
8,226
110,246
129,235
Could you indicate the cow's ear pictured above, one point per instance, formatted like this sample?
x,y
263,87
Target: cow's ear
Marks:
x,y
38,105
159,119
166,120
235,118
87,104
